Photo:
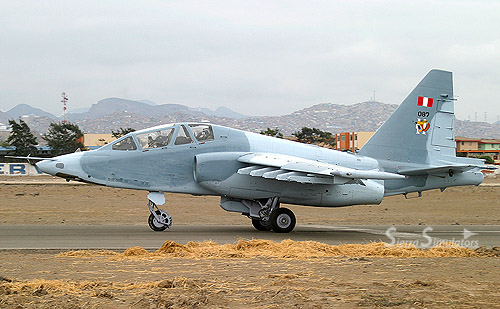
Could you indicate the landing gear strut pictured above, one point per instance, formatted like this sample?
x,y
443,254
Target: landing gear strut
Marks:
x,y
159,219
271,216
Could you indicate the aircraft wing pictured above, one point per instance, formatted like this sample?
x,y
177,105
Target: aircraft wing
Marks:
x,y
290,168
31,158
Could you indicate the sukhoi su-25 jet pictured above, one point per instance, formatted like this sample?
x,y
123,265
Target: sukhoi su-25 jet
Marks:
x,y
413,151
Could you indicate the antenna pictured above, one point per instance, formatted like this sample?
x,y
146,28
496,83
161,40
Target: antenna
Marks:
x,y
64,101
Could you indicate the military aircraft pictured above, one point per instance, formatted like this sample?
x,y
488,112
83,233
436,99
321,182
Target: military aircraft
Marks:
x,y
413,151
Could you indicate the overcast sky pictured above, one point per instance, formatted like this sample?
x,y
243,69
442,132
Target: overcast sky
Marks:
x,y
255,57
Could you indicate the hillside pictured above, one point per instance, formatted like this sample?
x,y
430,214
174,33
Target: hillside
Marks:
x,y
26,110
113,113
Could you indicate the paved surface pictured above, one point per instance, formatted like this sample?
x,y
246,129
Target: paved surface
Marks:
x,y
122,237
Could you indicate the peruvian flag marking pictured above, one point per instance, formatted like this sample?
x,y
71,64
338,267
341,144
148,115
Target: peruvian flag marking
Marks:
x,y
425,101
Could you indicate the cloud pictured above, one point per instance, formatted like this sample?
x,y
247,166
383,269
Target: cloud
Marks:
x,y
260,57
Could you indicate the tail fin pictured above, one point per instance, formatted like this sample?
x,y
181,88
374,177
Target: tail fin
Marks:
x,y
421,129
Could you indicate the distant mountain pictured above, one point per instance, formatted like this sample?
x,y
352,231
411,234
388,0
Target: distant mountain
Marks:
x,y
226,112
79,110
4,118
147,102
113,113
148,108
335,118
26,110
116,105
221,112
112,105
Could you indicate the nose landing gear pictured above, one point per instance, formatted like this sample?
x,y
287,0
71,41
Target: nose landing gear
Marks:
x,y
159,220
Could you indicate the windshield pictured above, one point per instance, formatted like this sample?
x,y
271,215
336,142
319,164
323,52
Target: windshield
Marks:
x,y
202,132
156,139
125,144
183,136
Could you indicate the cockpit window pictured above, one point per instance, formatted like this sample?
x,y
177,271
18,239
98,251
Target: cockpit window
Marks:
x,y
202,132
125,144
156,139
183,136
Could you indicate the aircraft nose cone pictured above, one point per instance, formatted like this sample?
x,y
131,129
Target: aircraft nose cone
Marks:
x,y
66,166
47,166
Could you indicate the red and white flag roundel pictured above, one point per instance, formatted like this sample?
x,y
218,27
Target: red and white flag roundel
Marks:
x,y
425,101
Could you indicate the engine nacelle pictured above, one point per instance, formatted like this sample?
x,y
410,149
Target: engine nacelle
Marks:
x,y
363,193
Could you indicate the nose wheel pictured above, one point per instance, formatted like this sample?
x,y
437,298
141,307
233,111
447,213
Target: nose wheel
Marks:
x,y
159,220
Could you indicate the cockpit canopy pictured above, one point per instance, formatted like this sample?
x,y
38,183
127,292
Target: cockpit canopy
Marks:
x,y
164,136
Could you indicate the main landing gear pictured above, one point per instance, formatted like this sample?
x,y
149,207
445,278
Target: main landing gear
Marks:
x,y
282,220
159,220
272,217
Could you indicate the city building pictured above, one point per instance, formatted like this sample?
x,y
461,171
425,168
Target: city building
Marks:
x,y
4,132
351,141
94,141
474,147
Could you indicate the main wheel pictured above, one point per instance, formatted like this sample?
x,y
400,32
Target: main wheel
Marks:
x,y
282,220
154,224
260,225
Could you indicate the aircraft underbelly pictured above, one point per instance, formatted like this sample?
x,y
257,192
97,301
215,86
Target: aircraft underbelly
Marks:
x,y
251,188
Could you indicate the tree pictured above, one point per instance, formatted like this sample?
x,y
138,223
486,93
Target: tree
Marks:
x,y
121,132
487,159
63,138
272,132
314,136
22,138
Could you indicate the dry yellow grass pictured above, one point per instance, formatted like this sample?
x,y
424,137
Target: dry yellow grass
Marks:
x,y
286,249
39,287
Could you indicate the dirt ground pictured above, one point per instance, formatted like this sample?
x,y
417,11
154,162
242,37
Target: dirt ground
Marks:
x,y
75,204
54,279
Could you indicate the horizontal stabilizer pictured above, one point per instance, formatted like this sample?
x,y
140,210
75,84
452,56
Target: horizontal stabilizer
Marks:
x,y
439,169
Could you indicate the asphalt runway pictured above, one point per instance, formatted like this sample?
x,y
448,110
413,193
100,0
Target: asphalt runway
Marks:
x,y
122,237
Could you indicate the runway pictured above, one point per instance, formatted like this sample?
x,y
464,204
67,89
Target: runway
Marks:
x,y
122,237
